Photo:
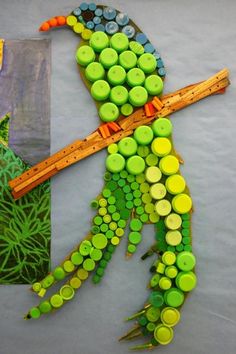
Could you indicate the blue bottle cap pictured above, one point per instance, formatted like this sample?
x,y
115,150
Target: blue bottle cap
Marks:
x,y
98,12
122,19
90,25
92,6
109,13
161,71
111,27
99,27
148,48
84,6
160,63
77,12
141,38
129,31
97,20
157,55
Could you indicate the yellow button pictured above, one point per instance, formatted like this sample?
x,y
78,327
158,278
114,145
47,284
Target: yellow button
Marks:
x,y
163,334
182,203
161,146
175,184
158,191
153,174
168,258
173,238
71,20
78,27
165,283
173,221
115,240
163,207
86,34
169,165
170,316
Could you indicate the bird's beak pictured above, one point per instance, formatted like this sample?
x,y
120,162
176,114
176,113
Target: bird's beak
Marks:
x,y
53,22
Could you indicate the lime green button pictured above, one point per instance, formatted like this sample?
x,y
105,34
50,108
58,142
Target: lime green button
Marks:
x,y
75,283
136,47
100,90
99,41
171,272
85,247
131,248
127,146
108,57
119,95
156,299
162,127
170,316
47,281
56,301
37,286
89,264
151,160
126,109
135,237
155,280
34,313
163,334
45,307
173,221
135,225
173,238
186,261
119,42
135,77
67,292
112,148
174,297
158,191
182,203
138,96
99,241
68,266
165,283
82,274
153,314
169,165
115,163
85,55
175,184
168,258
186,281
161,146
143,150
163,207
94,72
128,59
116,75
143,135
108,112
154,85
76,258
59,273
147,63
135,165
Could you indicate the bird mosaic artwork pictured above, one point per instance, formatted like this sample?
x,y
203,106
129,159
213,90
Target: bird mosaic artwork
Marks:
x,y
125,74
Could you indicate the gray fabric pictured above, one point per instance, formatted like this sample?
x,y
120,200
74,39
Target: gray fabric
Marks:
x,y
196,39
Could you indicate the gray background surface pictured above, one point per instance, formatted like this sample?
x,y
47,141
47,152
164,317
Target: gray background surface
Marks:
x,y
196,39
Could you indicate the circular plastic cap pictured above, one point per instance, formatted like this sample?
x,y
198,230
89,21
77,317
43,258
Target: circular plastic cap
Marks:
x,y
154,85
135,77
168,258
67,292
173,238
94,72
163,334
128,59
163,207
161,146
108,112
158,191
174,297
56,301
99,41
186,261
138,96
116,75
108,57
175,184
173,221
143,135
186,281
119,42
156,299
170,316
119,95
153,314
169,165
126,109
147,62
182,203
127,146
162,127
135,165
99,241
85,55
100,90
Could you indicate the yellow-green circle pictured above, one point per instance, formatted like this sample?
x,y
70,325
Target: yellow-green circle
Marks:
x,y
135,165
128,59
100,91
162,127
127,146
143,135
153,174
138,96
119,95
78,28
151,160
154,217
76,258
94,72
67,292
68,266
147,62
163,207
170,316
182,203
186,281
165,283
115,240
158,191
161,146
119,42
99,41
154,85
108,57
112,148
136,47
175,184
169,165
108,112
85,55
82,274
153,314
171,271
168,258
116,75
56,301
75,283
89,264
173,221
135,77
99,241
126,109
163,334
71,20
115,163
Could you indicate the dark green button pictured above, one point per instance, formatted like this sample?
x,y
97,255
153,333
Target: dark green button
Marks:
x,y
156,299
59,273
45,307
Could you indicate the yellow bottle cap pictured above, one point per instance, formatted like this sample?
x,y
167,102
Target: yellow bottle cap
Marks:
x,y
158,191
165,283
71,20
153,174
161,146
182,203
163,334
78,27
170,316
175,184
163,207
169,165
173,238
168,258
86,34
173,221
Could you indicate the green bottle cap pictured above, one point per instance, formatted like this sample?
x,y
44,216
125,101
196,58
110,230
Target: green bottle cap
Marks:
x,y
171,272
68,266
85,245
138,96
151,160
89,264
131,248
67,292
126,109
76,258
153,314
154,85
56,301
180,247
116,75
147,63
135,77
108,112
59,273
135,237
143,150
99,41
36,287
144,218
96,279
100,90
174,297
108,57
186,281
94,72
128,59
163,334
155,280
119,42
135,165
136,47
156,299
112,148
162,127
99,241
34,313
165,283
143,135
85,55
119,95
186,261
115,163
82,274
94,204
45,307
153,175
97,221
168,258
170,316
75,283
47,281
151,327
127,146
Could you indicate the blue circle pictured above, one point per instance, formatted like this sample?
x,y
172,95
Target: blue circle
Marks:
x,y
122,19
141,38
99,27
98,12
109,13
97,20
77,11
129,31
84,6
92,6
148,48
160,63
161,71
90,25
111,27
157,55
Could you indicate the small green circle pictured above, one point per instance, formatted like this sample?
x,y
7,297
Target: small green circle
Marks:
x,y
56,301
162,127
67,292
135,77
89,264
131,248
144,218
116,75
154,85
112,148
147,62
100,91
153,314
136,47
119,95
109,234
35,313
85,55
135,225
143,150
138,96
45,307
174,297
135,165
143,135
68,266
108,57
128,59
156,299
151,160
127,146
76,258
97,221
99,241
126,109
99,41
85,245
94,72
47,281
108,112
135,237
115,163
155,280
119,41
37,287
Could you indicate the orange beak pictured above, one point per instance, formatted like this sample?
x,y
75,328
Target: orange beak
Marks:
x,y
57,21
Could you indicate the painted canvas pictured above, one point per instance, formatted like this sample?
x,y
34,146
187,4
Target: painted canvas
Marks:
x,y
25,228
